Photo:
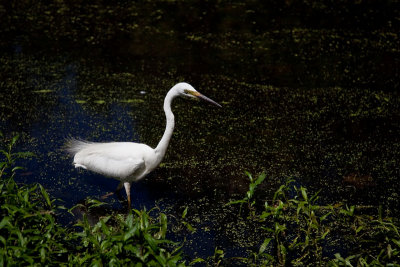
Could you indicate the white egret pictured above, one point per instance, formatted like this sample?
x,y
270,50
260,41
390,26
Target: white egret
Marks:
x,y
126,161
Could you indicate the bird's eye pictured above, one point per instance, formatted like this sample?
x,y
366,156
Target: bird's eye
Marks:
x,y
191,93
188,92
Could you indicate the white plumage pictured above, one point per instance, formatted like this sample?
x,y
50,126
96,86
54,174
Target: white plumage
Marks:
x,y
116,159
126,161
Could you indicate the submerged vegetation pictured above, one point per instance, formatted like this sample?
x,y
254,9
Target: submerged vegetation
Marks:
x,y
297,230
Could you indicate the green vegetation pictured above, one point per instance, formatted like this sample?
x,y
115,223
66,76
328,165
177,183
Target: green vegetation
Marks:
x,y
28,230
120,240
298,230
249,194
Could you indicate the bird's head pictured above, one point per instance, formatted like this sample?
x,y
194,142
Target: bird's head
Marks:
x,y
186,90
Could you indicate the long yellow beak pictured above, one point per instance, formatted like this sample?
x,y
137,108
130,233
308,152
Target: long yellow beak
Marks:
x,y
203,97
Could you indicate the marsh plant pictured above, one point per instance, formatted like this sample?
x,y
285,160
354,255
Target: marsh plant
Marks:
x,y
300,231
298,227
123,240
249,197
9,157
28,230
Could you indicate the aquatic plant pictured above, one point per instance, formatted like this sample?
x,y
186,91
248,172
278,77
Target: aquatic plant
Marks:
x,y
301,231
28,230
116,240
249,194
9,157
375,238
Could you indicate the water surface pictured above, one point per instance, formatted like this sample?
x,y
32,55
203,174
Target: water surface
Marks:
x,y
317,103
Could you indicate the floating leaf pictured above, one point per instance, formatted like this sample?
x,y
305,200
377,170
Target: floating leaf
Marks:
x,y
130,101
43,91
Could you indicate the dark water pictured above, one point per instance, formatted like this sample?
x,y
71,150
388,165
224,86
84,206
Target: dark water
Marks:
x,y
307,97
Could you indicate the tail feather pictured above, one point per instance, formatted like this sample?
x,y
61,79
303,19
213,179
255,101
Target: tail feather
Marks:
x,y
73,146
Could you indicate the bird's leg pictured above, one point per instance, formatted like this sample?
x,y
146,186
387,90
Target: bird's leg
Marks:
x,y
119,187
127,186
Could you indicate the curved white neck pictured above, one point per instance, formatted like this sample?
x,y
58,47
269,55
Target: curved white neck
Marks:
x,y
163,144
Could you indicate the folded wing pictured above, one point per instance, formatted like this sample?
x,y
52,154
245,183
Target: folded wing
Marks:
x,y
117,160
